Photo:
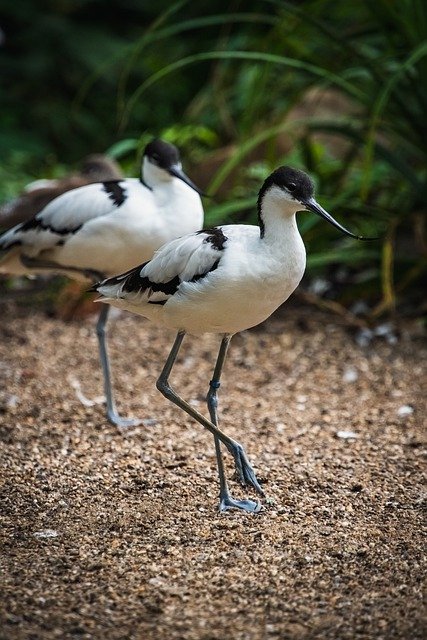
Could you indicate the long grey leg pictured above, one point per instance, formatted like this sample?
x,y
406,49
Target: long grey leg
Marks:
x,y
112,414
244,468
225,499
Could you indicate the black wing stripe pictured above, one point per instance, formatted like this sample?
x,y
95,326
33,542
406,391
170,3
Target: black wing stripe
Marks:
x,y
215,236
115,192
134,282
131,275
168,288
199,276
39,224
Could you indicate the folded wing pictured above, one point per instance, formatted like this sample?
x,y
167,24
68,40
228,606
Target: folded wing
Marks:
x,y
186,259
67,215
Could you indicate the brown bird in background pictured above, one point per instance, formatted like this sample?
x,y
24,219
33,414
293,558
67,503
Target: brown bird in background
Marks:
x,y
36,195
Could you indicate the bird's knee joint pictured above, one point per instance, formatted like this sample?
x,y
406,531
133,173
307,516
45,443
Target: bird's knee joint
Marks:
x,y
235,448
165,388
100,331
160,385
212,400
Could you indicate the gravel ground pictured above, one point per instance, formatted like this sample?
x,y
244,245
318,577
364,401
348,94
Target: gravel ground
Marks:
x,y
117,536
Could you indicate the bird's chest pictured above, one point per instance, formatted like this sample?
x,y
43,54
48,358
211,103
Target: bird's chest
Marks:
x,y
247,291
178,211
268,278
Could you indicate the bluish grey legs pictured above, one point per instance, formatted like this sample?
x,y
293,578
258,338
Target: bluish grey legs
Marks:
x,y
225,500
91,274
244,468
112,414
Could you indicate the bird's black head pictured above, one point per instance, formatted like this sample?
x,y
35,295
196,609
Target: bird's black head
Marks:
x,y
295,183
163,154
296,188
166,156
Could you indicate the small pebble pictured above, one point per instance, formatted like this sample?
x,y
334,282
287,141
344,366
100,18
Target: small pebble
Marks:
x,y
405,410
350,375
319,286
12,402
359,308
46,533
386,331
364,337
346,435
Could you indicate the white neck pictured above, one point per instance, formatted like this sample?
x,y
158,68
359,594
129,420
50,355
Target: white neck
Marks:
x,y
153,175
177,204
278,216
282,241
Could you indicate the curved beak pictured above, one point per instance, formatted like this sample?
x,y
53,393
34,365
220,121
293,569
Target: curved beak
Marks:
x,y
314,206
176,170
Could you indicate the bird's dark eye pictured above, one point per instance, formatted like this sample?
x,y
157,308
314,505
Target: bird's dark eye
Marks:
x,y
292,186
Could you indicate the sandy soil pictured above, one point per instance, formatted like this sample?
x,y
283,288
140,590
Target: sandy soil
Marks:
x,y
118,536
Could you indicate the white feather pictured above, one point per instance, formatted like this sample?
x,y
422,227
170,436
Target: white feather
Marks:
x,y
184,257
110,238
228,299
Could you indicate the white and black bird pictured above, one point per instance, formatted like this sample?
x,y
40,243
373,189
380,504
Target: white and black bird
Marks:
x,y
37,194
104,228
223,280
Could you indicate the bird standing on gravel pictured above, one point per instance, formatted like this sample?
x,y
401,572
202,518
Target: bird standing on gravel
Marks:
x,y
223,280
105,228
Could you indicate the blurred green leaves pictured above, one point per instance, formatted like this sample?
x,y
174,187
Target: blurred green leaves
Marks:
x,y
88,76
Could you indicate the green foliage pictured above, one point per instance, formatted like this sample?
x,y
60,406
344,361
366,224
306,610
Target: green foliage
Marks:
x,y
89,76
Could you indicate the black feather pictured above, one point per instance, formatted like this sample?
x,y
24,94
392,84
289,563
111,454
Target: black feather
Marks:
x,y
40,224
215,236
115,191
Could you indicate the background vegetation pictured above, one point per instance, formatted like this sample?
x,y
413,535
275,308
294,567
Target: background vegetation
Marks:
x,y
339,89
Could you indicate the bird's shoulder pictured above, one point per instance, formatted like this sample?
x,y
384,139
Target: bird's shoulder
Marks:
x,y
67,213
90,201
188,257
